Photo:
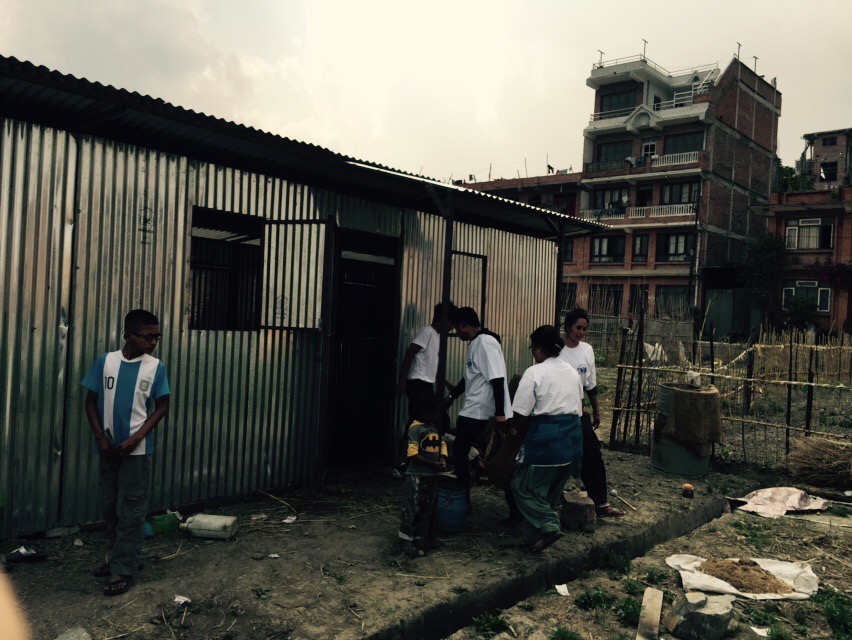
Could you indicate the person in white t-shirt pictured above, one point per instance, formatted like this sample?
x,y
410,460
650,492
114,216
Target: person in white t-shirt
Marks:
x,y
420,363
581,356
547,406
419,370
485,388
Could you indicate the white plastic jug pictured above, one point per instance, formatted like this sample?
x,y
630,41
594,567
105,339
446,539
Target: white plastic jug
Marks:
x,y
207,526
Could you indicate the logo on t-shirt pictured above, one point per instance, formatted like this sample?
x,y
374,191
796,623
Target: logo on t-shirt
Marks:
x,y
582,369
144,385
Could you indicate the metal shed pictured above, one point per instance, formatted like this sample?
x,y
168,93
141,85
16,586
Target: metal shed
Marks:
x,y
288,280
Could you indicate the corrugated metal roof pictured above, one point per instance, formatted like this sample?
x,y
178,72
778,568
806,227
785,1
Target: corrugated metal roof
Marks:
x,y
38,94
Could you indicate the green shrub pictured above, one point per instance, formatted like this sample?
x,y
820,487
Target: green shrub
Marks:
x,y
595,598
837,608
627,611
632,587
656,576
489,626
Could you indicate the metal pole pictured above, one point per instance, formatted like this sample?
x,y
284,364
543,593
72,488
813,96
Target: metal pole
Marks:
x,y
809,405
445,301
560,266
789,395
619,381
639,338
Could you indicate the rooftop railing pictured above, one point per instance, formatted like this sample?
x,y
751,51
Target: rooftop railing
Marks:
x,y
663,211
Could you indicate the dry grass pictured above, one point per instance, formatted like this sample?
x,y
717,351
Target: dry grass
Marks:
x,y
822,462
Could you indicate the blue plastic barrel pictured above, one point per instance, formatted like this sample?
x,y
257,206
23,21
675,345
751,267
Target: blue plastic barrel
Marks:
x,y
453,507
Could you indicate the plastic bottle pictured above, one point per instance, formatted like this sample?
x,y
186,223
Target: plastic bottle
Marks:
x,y
207,526
164,523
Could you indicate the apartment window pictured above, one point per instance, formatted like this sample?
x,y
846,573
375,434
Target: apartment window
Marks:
x,y
568,249
605,299
610,198
809,291
828,171
614,151
681,193
644,196
649,147
640,247
658,101
810,233
829,141
674,247
672,301
608,249
225,265
622,100
684,142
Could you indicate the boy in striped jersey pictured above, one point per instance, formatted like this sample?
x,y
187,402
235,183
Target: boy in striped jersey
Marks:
x,y
123,386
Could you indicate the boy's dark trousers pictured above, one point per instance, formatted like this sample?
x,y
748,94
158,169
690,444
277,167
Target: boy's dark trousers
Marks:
x,y
468,431
124,487
418,504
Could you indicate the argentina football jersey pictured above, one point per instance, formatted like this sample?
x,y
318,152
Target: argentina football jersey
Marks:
x,y
126,392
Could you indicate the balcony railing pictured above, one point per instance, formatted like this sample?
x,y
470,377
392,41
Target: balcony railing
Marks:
x,y
609,213
663,211
609,165
675,158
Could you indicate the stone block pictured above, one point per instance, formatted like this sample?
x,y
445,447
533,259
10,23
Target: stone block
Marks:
x,y
578,512
697,616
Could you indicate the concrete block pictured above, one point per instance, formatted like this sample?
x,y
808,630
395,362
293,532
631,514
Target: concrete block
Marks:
x,y
578,512
696,616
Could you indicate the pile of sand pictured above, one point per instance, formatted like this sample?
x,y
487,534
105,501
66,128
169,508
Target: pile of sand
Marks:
x,y
746,575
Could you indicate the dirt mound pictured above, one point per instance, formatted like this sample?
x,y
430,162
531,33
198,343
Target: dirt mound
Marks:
x,y
746,575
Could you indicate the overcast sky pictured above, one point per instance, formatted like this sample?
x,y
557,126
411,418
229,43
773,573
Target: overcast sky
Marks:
x,y
440,88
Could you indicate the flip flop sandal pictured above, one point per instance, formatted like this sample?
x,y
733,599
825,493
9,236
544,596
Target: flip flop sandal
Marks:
x,y
122,585
609,512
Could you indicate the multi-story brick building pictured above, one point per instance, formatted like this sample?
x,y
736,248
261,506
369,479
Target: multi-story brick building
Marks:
x,y
817,230
673,160
558,191
826,158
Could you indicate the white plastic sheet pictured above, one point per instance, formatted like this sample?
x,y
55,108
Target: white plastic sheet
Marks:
x,y
775,502
797,575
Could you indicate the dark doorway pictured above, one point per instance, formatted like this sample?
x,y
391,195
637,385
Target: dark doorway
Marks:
x,y
361,403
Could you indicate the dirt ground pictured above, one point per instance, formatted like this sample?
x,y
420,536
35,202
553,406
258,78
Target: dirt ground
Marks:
x,y
337,574
604,604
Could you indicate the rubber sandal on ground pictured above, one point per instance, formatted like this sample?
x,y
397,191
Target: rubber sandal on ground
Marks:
x,y
116,588
608,511
545,541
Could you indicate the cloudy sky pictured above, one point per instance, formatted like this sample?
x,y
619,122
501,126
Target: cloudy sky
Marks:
x,y
442,88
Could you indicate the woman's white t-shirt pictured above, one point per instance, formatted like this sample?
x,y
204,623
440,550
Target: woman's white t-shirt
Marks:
x,y
425,363
549,388
582,358
484,363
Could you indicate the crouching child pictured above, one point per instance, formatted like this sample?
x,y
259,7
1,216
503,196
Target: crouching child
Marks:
x,y
427,458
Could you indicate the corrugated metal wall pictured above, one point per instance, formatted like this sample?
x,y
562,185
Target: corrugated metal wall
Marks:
x,y
36,214
520,289
93,228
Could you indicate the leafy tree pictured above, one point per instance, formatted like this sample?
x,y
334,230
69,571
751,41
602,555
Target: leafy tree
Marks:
x,y
788,180
761,274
